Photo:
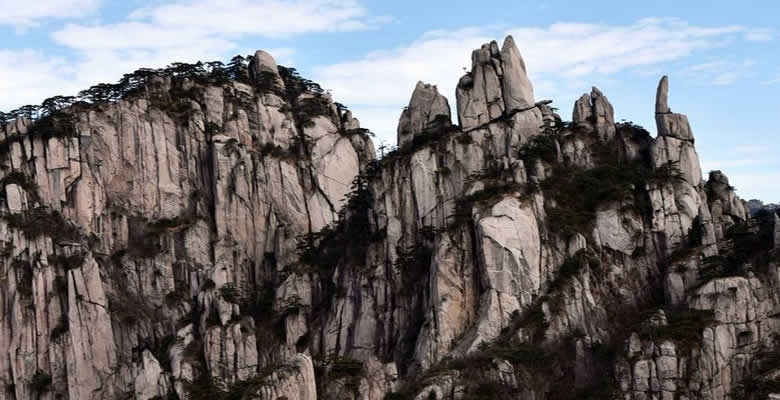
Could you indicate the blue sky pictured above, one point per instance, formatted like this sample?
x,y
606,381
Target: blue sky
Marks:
x,y
723,58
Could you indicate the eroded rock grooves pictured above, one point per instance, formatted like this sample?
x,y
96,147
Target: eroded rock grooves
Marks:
x,y
226,239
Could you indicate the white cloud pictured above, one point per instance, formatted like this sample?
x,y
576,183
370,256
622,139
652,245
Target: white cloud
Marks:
x,y
772,81
709,66
28,77
725,78
753,185
155,36
560,59
759,35
23,14
183,23
751,148
725,165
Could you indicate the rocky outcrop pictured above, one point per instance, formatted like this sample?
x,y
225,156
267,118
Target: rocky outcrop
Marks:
x,y
427,111
668,123
518,92
497,85
594,112
222,237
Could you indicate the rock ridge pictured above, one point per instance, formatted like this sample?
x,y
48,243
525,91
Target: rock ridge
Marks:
x,y
226,231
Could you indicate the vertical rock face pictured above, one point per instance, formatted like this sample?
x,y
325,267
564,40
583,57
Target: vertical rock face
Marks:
x,y
221,238
673,151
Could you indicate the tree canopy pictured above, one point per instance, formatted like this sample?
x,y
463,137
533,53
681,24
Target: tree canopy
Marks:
x,y
214,72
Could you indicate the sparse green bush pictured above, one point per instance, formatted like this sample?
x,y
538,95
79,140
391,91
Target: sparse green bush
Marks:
x,y
343,366
684,326
277,151
540,147
180,294
752,388
414,264
24,276
211,388
62,327
22,180
348,237
358,131
159,347
230,293
68,262
212,128
572,266
578,193
61,285
464,205
42,221
750,243
464,139
129,308
40,382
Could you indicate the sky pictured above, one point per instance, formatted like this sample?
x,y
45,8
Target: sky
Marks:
x,y
722,57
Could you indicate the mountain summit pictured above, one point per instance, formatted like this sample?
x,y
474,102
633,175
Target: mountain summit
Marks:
x,y
212,231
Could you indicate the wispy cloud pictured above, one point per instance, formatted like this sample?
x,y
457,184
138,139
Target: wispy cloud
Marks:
x,y
28,76
725,78
760,35
708,66
24,14
773,81
184,23
710,165
753,184
154,36
751,148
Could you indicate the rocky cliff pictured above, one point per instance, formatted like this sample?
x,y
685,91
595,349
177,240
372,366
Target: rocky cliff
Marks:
x,y
228,233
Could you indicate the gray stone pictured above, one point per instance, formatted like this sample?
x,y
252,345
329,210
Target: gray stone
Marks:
x,y
668,123
427,110
594,112
662,96
517,89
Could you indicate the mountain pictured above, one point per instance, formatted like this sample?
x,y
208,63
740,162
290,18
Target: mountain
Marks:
x,y
211,231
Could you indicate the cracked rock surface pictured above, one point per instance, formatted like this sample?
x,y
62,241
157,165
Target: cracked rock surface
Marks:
x,y
204,239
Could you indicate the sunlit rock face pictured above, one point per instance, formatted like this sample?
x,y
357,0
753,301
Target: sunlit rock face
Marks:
x,y
226,231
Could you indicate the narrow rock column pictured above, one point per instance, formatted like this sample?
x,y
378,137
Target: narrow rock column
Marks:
x,y
427,110
497,85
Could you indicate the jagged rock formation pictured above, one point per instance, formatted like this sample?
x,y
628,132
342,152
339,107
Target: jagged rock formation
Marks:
x,y
427,110
203,237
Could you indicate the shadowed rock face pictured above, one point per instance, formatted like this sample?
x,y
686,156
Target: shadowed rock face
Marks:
x,y
194,232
